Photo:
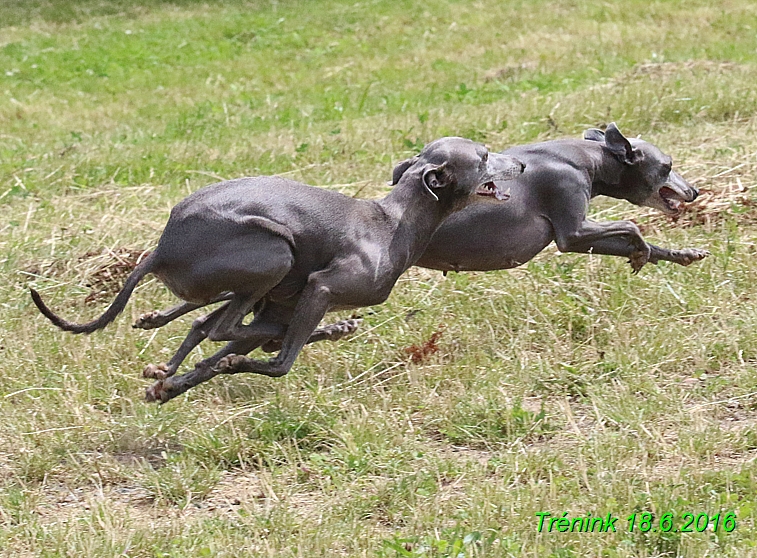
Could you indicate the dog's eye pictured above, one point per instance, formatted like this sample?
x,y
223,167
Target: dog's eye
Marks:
x,y
485,157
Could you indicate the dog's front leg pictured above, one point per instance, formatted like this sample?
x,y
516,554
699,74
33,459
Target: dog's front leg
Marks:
x,y
166,389
615,238
684,256
329,332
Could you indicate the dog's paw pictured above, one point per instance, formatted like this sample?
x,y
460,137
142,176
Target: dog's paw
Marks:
x,y
156,393
229,364
690,255
150,320
639,259
156,371
343,328
331,332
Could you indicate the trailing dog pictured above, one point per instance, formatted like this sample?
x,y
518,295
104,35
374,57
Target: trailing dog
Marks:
x,y
289,253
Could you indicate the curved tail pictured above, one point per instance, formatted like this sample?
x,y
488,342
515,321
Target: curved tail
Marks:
x,y
116,307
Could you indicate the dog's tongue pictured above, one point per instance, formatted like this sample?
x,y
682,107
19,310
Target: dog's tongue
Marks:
x,y
671,197
502,194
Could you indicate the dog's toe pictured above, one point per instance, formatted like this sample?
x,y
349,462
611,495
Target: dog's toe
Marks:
x,y
638,261
156,393
639,258
156,371
353,324
688,257
346,327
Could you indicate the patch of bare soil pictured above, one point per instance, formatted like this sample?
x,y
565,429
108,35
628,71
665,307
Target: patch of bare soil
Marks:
x,y
236,490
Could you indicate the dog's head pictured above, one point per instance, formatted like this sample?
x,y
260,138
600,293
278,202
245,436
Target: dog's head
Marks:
x,y
648,177
452,169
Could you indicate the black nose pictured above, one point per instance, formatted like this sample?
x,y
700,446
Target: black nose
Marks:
x,y
696,194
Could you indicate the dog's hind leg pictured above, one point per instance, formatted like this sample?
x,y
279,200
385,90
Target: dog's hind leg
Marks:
x,y
311,307
197,335
266,326
234,312
313,304
275,332
159,318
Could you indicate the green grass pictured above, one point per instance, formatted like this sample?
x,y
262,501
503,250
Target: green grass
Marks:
x,y
567,385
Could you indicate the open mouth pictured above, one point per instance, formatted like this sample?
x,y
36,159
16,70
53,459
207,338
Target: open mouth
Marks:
x,y
672,199
490,190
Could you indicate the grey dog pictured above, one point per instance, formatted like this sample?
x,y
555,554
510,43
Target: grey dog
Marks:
x,y
550,201
289,253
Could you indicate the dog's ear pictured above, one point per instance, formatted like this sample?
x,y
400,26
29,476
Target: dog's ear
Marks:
x,y
619,146
594,134
433,178
400,169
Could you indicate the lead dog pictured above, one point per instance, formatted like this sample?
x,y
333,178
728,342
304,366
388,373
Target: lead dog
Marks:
x,y
550,201
290,253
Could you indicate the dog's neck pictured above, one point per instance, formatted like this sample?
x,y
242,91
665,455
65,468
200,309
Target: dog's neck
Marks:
x,y
416,215
606,172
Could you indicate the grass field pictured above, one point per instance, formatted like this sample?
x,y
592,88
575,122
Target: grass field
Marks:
x,y
567,385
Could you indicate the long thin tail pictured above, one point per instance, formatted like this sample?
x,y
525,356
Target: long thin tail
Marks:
x,y
113,310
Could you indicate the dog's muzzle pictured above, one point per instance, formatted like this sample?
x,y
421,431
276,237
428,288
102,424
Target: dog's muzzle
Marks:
x,y
685,191
500,168
673,193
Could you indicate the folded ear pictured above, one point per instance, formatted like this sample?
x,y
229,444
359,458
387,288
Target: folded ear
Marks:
x,y
594,134
400,169
433,178
619,146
